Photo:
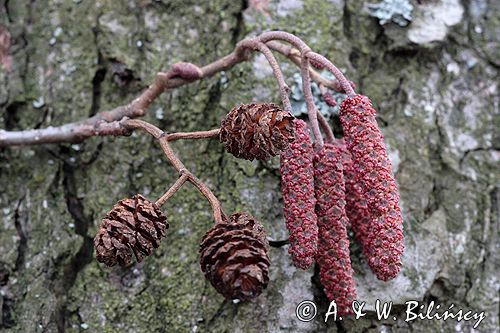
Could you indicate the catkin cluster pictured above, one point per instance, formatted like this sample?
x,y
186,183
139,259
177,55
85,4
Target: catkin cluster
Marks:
x,y
327,188
347,183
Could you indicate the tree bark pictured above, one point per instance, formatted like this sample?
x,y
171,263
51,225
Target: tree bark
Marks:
x,y
438,109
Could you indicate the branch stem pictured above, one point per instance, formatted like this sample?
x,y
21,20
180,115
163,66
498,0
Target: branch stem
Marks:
x,y
294,55
193,135
344,83
330,138
178,165
110,122
283,87
212,199
287,37
311,108
172,190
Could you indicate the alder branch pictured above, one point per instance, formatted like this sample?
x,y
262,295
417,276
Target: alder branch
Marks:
x,y
158,134
111,122
294,55
120,122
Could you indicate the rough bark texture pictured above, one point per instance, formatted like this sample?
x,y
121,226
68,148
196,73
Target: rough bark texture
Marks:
x,y
437,105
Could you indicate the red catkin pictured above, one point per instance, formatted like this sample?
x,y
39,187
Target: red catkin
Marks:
x,y
297,184
336,273
383,239
356,206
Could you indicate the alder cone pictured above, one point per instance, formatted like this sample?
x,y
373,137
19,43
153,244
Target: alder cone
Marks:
x,y
234,257
257,131
133,225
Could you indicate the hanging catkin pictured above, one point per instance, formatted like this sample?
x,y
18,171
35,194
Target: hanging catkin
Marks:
x,y
356,206
297,183
336,273
377,186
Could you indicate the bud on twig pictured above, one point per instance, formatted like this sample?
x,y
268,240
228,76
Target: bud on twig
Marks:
x,y
329,99
186,71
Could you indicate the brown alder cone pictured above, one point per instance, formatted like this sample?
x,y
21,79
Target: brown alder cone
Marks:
x,y
234,257
257,131
133,225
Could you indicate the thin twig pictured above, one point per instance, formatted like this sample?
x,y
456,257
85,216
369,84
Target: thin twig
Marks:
x,y
311,108
255,44
144,125
169,152
304,71
172,190
294,55
178,165
346,85
287,37
284,89
330,138
212,199
192,135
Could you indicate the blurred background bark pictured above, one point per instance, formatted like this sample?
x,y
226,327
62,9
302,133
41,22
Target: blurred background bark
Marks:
x,y
434,82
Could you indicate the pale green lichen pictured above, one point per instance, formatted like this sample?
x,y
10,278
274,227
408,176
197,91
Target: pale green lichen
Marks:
x,y
397,11
297,99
